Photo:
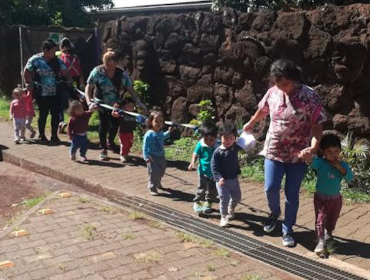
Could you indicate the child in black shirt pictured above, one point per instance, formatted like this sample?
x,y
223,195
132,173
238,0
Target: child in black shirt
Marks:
x,y
127,126
225,169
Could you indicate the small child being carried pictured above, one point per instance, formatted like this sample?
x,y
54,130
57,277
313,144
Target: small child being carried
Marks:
x,y
153,150
330,172
206,192
77,129
225,169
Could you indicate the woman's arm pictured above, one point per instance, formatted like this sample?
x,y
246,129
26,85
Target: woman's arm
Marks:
x,y
315,142
259,115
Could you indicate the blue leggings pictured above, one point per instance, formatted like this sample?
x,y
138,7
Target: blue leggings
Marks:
x,y
274,173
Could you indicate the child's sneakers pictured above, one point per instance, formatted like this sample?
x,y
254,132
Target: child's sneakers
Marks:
x,y
33,133
104,155
153,192
83,158
123,159
207,207
231,214
72,156
198,207
320,247
17,140
224,221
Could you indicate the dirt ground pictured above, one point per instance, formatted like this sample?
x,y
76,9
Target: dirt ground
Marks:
x,y
17,185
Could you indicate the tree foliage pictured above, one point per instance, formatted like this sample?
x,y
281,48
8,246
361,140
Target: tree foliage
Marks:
x,y
48,12
246,5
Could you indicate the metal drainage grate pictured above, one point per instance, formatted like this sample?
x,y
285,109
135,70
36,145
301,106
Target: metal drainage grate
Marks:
x,y
287,261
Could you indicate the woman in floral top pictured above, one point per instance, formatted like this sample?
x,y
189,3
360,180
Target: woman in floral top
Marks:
x,y
295,131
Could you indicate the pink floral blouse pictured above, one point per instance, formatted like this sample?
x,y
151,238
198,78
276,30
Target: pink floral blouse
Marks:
x,y
291,123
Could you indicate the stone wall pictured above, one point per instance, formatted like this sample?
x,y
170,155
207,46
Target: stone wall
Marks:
x,y
225,57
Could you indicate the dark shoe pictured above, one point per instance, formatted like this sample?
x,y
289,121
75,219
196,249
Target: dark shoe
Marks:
x,y
288,240
55,140
43,139
271,223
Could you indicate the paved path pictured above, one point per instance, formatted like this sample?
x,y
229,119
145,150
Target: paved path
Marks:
x,y
87,238
352,234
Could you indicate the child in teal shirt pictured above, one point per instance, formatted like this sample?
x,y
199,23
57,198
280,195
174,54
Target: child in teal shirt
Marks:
x,y
330,172
206,192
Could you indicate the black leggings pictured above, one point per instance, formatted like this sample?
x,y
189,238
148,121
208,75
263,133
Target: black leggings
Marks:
x,y
48,104
108,124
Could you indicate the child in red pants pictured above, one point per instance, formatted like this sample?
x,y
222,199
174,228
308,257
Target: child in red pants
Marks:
x,y
127,125
330,171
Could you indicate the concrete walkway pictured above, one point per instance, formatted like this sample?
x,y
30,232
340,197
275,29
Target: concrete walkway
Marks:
x,y
88,238
111,178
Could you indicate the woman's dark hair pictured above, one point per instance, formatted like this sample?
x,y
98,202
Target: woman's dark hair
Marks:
x,y
65,43
284,68
330,141
208,129
153,114
228,128
48,45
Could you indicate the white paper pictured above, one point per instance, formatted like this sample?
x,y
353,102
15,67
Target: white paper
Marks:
x,y
246,141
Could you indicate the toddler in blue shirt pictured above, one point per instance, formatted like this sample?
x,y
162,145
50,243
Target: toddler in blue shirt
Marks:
x,y
153,150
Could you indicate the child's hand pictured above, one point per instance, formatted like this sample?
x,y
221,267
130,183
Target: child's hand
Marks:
x,y
172,129
149,160
115,114
221,182
336,164
191,166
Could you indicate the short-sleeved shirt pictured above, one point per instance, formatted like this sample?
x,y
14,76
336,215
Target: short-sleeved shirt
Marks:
x,y
205,154
106,89
127,123
291,123
329,178
18,107
48,80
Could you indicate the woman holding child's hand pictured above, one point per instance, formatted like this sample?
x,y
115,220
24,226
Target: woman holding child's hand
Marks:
x,y
294,134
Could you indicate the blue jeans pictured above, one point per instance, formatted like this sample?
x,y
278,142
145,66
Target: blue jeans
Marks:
x,y
79,142
274,173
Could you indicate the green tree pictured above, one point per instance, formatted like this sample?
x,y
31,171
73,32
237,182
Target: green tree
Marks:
x,y
47,12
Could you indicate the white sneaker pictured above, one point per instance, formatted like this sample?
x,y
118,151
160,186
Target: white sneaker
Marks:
x,y
17,140
224,221
123,159
231,215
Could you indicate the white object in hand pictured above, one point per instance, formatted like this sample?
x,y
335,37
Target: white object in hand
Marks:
x,y
246,141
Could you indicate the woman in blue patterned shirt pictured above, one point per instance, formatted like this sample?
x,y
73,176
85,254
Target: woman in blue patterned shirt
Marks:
x,y
107,80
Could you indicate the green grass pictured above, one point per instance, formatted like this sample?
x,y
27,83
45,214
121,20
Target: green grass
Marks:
x,y
182,149
4,108
29,203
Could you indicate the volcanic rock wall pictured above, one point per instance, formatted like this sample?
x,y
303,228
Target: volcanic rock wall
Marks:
x,y
225,56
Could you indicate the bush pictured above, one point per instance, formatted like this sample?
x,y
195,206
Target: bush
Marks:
x,y
355,154
206,113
